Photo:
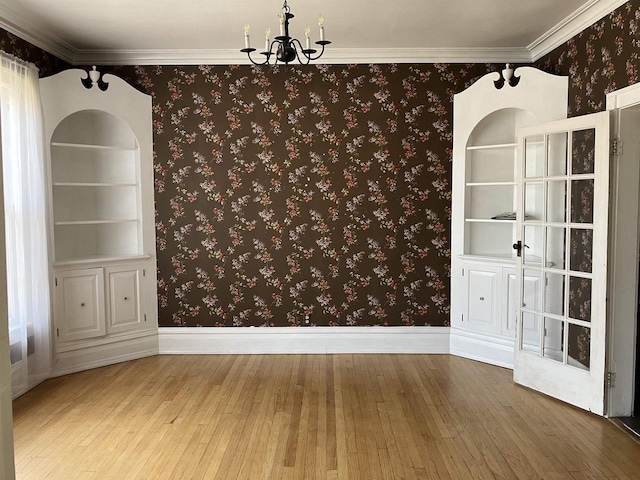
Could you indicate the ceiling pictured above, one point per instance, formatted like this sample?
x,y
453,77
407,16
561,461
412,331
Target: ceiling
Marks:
x,y
212,31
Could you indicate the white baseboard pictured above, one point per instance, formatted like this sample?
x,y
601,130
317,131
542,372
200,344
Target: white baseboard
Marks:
x,y
95,356
301,340
481,347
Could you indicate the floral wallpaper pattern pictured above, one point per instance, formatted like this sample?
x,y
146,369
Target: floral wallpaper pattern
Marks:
x,y
47,64
599,60
314,195
602,58
322,193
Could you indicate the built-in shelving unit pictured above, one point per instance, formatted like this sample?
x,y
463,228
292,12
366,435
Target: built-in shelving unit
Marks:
x,y
102,220
485,197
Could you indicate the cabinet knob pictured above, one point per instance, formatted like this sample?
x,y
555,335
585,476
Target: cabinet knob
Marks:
x,y
482,299
82,304
126,298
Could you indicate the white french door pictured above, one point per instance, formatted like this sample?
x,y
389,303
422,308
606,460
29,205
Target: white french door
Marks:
x,y
562,264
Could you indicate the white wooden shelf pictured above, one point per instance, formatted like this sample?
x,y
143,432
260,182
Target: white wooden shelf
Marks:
x,y
498,146
487,220
88,184
491,184
96,222
88,146
100,259
506,259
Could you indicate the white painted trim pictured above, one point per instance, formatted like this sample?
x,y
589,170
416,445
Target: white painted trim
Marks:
x,y
581,19
23,28
73,361
575,23
624,228
313,340
491,349
63,347
333,56
624,97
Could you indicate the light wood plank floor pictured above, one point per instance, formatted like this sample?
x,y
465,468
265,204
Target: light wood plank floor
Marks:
x,y
309,417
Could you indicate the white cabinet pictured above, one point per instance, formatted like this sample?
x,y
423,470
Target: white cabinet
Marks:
x,y
79,304
100,143
125,298
485,191
93,302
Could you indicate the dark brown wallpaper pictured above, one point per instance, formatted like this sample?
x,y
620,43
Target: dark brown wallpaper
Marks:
x,y
600,59
320,192
47,63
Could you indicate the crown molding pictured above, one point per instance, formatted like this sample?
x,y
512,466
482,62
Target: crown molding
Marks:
x,y
23,28
581,19
334,56
575,23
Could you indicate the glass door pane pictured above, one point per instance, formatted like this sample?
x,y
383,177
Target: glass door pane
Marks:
x,y
534,157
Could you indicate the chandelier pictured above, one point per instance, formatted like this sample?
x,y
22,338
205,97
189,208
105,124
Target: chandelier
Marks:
x,y
287,48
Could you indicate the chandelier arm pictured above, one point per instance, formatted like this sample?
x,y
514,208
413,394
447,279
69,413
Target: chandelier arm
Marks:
x,y
266,60
322,44
299,52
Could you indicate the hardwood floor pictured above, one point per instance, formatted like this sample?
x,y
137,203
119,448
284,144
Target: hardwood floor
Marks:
x,y
309,417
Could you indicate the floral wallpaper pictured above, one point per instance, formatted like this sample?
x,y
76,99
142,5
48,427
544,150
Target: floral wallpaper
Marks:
x,y
314,195
48,64
600,59
321,195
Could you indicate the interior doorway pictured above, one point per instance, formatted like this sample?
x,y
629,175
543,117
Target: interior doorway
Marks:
x,y
636,403
623,380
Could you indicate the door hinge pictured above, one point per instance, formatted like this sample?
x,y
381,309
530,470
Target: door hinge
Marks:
x,y
611,379
145,317
616,147
462,317
144,272
56,279
57,332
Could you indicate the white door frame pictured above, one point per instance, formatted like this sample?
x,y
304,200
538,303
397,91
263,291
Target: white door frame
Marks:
x,y
7,468
624,238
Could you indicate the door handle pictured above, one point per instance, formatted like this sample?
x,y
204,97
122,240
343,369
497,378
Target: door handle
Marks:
x,y
518,247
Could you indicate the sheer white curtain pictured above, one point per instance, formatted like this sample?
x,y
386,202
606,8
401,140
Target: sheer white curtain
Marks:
x,y
25,206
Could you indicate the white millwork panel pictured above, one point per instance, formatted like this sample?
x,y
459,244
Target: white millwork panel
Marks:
x,y
99,133
482,312
79,304
486,119
125,298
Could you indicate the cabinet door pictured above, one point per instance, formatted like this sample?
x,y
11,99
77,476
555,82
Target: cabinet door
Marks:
x,y
482,312
79,304
125,298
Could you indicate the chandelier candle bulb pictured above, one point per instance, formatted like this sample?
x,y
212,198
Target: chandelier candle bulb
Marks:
x,y
246,36
267,40
281,24
321,23
307,33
